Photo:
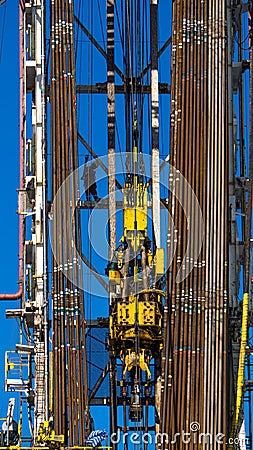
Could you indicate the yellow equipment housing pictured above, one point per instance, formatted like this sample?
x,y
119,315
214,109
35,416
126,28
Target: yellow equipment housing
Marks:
x,y
135,203
136,311
146,310
47,435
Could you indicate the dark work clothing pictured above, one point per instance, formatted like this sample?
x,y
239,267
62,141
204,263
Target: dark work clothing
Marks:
x,y
92,190
89,180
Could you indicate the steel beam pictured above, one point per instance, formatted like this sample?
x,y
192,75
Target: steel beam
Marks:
x,y
101,88
111,184
39,237
99,382
111,126
155,151
155,122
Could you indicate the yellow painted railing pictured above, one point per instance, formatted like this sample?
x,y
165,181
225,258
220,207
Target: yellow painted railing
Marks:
x,y
241,368
16,447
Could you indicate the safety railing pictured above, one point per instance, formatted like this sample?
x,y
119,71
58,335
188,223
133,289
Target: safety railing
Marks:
x,y
241,369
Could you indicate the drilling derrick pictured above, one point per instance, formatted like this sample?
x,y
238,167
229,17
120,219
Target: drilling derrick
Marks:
x,y
135,227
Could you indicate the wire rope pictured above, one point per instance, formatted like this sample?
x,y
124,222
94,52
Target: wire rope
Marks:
x,y
3,31
130,53
121,32
77,32
78,42
90,140
101,23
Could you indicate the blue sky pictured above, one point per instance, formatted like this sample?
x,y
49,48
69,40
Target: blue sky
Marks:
x,y
9,155
9,180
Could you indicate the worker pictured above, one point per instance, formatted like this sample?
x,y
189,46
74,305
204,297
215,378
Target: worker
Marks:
x,y
89,179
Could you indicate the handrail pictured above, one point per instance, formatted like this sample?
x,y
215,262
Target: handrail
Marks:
x,y
241,368
16,447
